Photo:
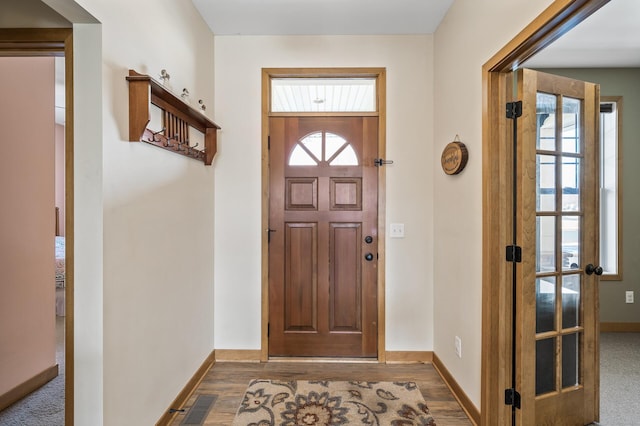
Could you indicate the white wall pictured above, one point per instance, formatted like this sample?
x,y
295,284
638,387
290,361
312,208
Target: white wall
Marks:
x,y
157,319
88,226
158,216
141,335
409,284
471,33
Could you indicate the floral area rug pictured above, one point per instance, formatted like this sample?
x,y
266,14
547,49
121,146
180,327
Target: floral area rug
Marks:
x,y
327,403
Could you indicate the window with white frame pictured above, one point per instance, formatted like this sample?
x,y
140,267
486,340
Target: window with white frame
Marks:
x,y
610,188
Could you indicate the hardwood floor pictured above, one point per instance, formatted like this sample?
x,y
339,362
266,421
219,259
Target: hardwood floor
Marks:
x,y
228,380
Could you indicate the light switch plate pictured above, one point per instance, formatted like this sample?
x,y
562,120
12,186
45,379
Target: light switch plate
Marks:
x,y
396,230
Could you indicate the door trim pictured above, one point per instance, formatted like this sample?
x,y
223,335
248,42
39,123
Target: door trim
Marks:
x,y
380,75
56,42
553,22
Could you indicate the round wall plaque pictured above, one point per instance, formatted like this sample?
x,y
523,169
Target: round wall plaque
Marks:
x,y
454,158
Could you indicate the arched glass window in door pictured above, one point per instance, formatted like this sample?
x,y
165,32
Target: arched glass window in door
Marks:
x,y
323,147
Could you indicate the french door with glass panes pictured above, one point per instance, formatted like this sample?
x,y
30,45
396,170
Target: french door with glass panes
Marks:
x,y
557,295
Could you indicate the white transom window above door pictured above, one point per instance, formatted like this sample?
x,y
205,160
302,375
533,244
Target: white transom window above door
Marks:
x,y
323,95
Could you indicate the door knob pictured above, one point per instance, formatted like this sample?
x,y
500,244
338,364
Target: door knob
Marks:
x,y
368,257
590,269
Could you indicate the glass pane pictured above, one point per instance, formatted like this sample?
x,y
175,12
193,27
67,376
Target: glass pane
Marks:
x,y
323,95
546,183
570,301
545,366
570,184
546,116
570,125
346,158
313,143
545,243
570,242
300,157
570,360
609,189
332,144
545,304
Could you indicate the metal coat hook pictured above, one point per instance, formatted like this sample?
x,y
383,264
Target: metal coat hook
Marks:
x,y
202,105
179,142
169,138
457,138
164,76
153,134
185,94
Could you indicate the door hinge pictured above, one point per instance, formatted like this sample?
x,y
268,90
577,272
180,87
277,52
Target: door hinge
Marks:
x,y
512,397
269,142
268,329
514,109
514,254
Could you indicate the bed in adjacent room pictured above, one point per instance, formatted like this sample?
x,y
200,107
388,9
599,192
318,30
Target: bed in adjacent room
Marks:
x,y
59,262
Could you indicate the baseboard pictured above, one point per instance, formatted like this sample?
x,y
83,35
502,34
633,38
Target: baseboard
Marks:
x,y
27,387
237,355
620,327
392,357
469,407
409,357
188,389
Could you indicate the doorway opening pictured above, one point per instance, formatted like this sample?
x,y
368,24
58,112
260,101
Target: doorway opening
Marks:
x,y
333,123
55,47
497,341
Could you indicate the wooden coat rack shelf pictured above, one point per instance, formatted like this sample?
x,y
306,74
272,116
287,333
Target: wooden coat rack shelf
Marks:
x,y
177,118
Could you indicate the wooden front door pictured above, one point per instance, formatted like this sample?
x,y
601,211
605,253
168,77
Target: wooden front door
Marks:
x,y
323,220
557,370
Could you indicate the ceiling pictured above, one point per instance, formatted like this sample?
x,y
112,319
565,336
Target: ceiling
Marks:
x,y
316,17
609,38
30,14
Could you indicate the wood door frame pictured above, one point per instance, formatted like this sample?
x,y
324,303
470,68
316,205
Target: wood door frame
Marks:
x,y
380,75
56,42
553,22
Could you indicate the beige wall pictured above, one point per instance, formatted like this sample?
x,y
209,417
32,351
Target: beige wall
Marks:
x,y
27,314
88,297
470,34
141,335
157,297
409,186
623,82
147,355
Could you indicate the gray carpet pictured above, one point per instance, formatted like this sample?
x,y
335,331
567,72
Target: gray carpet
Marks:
x,y
44,407
619,379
